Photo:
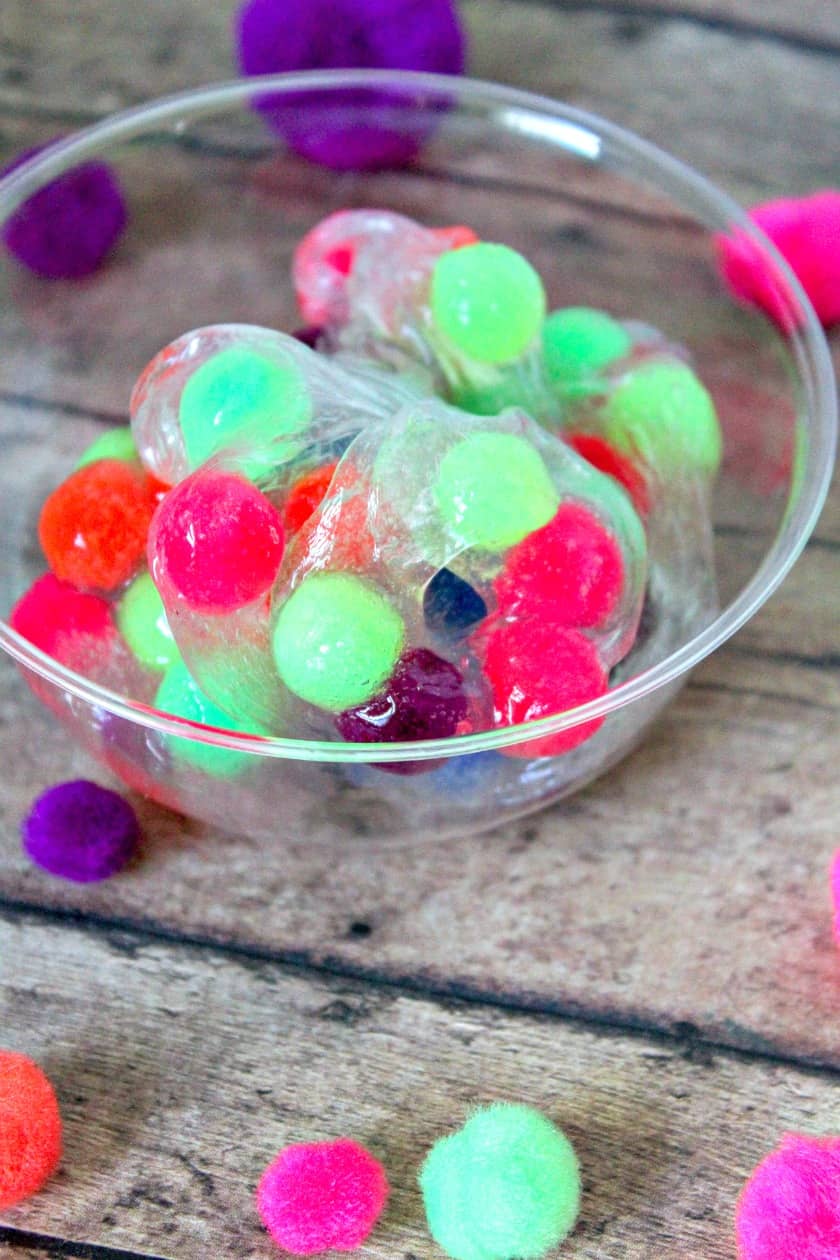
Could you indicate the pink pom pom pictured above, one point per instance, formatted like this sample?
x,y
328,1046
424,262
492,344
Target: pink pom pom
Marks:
x,y
790,1207
321,1196
835,889
806,232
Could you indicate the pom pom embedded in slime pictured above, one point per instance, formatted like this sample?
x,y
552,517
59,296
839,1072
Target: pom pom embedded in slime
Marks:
x,y
505,1185
450,605
488,301
322,1196
68,227
93,528
598,452
180,695
577,343
661,411
493,489
65,623
81,831
216,543
115,444
790,1207
305,496
336,640
30,1128
142,622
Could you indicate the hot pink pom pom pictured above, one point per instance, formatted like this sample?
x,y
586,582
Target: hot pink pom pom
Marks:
x,y
322,1196
790,1207
835,889
806,232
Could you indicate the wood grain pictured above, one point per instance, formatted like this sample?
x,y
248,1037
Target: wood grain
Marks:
x,y
207,1064
812,23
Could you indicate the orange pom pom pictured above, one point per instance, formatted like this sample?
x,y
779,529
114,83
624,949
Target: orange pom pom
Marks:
x,y
30,1128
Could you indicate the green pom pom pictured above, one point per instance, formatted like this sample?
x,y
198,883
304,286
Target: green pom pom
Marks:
x,y
239,392
180,694
488,301
141,618
115,444
663,412
493,489
578,342
506,1185
336,640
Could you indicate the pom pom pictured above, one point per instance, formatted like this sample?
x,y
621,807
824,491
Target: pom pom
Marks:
x,y
577,343
790,1207
67,228
80,831
287,35
451,605
93,528
141,618
620,467
487,300
661,411
30,1128
115,444
63,622
835,892
322,1196
506,1184
180,695
806,232
216,543
305,496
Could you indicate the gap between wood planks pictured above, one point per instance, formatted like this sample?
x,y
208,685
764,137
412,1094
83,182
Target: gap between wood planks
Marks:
x,y
126,935
51,1246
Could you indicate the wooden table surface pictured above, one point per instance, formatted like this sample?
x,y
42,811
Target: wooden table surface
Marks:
x,y
652,963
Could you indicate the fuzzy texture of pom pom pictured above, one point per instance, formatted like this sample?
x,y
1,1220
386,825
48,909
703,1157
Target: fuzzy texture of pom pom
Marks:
x,y
80,831
790,1207
30,1128
806,232
506,1184
322,1196
66,229
286,35
63,622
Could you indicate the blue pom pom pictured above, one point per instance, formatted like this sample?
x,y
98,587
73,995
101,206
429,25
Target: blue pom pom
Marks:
x,y
451,605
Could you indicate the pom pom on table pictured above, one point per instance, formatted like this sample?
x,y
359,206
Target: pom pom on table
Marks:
x,y
506,1184
322,1196
806,232
287,35
835,892
790,1207
30,1128
67,228
80,831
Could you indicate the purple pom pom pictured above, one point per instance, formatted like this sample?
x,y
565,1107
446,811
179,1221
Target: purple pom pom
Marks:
x,y
335,129
65,230
80,831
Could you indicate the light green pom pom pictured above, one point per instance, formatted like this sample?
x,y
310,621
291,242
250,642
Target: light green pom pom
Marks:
x,y
578,342
336,640
240,392
662,411
493,489
505,1186
180,695
488,301
141,618
115,444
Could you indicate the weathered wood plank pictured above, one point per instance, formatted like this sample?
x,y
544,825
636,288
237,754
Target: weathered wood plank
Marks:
x,y
183,1071
811,22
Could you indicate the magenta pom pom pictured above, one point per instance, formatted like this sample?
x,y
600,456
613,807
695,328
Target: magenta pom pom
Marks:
x,y
835,890
790,1207
66,229
285,35
80,831
322,1196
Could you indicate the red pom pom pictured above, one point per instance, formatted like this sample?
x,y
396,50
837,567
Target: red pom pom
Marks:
x,y
30,1128
601,455
62,621
570,571
322,1196
790,1207
305,496
216,543
456,236
537,669
835,890
806,231
93,528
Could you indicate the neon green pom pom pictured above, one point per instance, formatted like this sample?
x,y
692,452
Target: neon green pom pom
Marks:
x,y
240,392
493,489
180,694
662,411
115,444
336,640
488,300
506,1185
578,342
141,618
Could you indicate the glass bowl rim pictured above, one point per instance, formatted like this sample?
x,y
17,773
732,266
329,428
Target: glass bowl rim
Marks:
x,y
582,133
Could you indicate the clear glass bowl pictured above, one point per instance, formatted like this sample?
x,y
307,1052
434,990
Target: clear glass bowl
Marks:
x,y
217,203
